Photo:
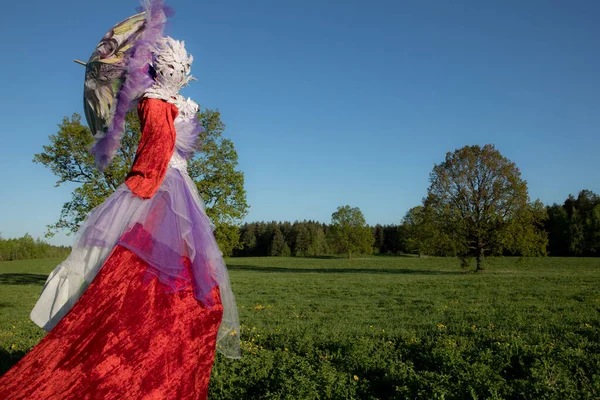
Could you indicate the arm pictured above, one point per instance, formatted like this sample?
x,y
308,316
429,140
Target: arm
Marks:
x,y
156,147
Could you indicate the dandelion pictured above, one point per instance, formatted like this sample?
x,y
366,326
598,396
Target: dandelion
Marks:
x,y
13,346
356,378
285,349
588,326
259,307
441,326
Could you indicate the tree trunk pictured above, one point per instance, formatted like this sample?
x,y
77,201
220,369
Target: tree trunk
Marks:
x,y
479,258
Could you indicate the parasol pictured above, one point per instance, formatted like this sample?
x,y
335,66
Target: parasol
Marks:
x,y
116,76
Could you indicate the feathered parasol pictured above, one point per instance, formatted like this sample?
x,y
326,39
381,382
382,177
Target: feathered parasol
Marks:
x,y
117,75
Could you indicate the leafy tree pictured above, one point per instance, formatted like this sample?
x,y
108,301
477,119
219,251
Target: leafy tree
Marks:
x,y
349,231
423,236
278,246
27,248
574,227
213,170
478,198
379,238
248,239
318,239
557,226
302,239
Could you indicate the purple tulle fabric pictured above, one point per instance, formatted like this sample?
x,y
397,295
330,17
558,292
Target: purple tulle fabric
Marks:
x,y
173,235
137,80
164,231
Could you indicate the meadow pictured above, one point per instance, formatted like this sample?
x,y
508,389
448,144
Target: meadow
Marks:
x,y
386,328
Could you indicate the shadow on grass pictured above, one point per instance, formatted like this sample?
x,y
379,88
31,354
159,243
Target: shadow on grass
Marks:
x,y
22,279
8,360
322,257
393,255
399,271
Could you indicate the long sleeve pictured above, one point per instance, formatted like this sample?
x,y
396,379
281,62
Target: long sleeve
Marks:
x,y
156,147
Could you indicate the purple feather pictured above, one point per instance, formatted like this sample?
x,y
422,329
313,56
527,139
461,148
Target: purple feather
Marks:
x,y
137,80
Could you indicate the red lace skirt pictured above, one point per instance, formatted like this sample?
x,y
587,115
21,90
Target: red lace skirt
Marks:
x,y
123,339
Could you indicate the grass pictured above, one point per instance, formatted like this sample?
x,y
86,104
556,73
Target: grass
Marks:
x,y
386,327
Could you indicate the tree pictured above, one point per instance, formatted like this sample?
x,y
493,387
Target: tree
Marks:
x,y
557,226
213,170
423,236
248,239
349,231
574,227
478,198
279,248
379,238
302,239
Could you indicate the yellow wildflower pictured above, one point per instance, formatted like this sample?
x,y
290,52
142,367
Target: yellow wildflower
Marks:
x,y
356,378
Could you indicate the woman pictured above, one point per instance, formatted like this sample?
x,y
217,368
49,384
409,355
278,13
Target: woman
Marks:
x,y
139,306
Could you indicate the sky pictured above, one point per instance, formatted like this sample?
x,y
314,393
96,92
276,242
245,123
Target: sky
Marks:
x,y
328,103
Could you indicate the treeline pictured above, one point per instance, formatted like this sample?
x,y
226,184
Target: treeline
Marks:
x,y
310,239
573,229
300,239
26,248
574,226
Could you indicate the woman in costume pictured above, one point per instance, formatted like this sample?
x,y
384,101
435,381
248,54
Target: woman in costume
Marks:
x,y
143,300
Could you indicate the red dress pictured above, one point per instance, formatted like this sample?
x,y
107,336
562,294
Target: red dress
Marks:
x,y
127,338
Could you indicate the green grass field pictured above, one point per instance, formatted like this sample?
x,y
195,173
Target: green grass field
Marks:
x,y
386,327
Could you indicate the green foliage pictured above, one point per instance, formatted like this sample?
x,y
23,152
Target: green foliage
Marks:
x,y
306,238
405,327
574,227
422,235
214,170
479,201
278,245
28,248
228,238
349,232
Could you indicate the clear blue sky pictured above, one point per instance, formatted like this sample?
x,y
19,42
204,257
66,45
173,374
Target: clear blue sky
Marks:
x,y
329,102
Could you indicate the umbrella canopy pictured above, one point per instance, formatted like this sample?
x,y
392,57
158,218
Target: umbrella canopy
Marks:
x,y
105,72
117,76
